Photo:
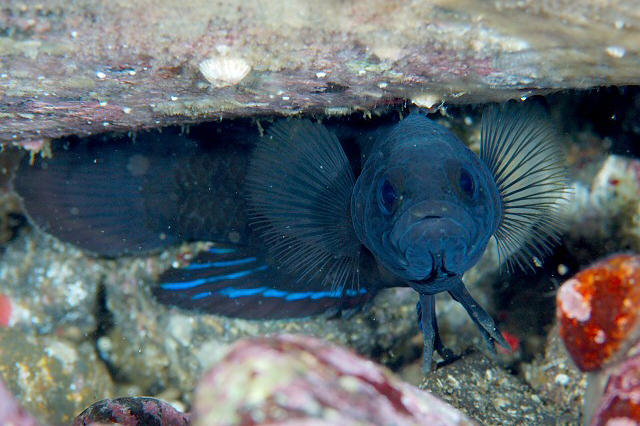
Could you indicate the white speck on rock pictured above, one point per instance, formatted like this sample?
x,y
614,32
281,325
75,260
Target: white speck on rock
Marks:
x,y
616,51
66,354
76,293
561,379
426,100
181,328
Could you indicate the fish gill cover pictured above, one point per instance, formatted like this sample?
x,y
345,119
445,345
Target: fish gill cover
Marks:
x,y
301,232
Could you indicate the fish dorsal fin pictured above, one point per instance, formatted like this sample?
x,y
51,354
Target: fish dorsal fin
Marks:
x,y
528,164
300,184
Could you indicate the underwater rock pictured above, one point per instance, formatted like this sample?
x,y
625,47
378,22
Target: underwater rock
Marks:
x,y
48,287
489,394
132,411
555,377
603,215
292,379
67,66
598,323
52,377
12,413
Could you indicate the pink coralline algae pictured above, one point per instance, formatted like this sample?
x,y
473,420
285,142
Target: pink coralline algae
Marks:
x,y
299,380
6,308
11,413
598,315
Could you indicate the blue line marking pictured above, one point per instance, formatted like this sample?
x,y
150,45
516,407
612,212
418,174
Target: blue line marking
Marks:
x,y
201,295
234,293
221,250
195,283
244,292
220,263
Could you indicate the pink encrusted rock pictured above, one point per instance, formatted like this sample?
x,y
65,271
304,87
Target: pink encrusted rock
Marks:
x,y
299,380
132,411
620,403
11,413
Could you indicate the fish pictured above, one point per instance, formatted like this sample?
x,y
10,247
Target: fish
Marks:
x,y
300,226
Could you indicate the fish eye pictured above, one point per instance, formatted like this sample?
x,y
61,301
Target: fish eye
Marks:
x,y
387,196
466,183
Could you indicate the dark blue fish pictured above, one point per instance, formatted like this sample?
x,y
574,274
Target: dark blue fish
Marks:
x,y
301,235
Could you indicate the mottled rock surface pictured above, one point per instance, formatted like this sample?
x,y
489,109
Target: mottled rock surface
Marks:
x,y
288,379
484,391
53,378
86,66
555,377
50,286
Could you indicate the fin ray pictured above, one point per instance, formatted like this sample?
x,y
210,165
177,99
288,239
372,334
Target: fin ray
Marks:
x,y
301,206
526,160
90,196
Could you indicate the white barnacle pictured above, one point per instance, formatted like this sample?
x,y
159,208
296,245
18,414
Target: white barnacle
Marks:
x,y
222,71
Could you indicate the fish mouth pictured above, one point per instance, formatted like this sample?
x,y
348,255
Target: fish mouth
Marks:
x,y
432,240
437,281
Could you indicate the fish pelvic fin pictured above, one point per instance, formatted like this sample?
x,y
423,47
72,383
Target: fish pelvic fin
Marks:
x,y
527,161
300,184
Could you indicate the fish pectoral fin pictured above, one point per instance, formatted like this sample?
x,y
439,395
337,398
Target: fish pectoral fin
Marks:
x,y
524,153
483,320
299,185
239,282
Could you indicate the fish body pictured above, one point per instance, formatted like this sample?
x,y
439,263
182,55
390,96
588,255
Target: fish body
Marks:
x,y
302,233
425,204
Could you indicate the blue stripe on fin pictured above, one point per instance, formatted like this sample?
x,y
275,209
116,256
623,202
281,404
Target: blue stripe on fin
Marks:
x,y
201,295
201,281
221,250
234,293
239,282
221,264
240,292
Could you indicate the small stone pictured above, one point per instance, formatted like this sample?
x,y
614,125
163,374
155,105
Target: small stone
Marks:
x,y
132,411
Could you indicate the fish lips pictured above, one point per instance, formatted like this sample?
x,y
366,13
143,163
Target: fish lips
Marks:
x,y
434,239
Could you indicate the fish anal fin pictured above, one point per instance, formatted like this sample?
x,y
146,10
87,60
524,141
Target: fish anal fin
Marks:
x,y
240,282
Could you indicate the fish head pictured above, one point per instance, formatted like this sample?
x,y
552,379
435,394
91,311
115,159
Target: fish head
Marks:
x,y
425,205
